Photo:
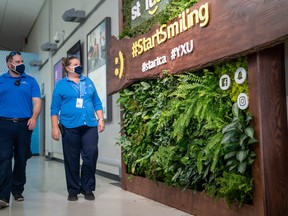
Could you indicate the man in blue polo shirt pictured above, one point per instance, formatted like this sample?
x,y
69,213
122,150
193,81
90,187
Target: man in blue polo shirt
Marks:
x,y
20,106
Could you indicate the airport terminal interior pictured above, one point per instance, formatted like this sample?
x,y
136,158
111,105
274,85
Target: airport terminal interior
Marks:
x,y
119,43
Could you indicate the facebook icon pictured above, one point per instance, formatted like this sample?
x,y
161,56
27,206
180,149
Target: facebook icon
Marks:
x,y
224,82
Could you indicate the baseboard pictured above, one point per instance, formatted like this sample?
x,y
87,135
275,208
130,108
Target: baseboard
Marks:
x,y
98,172
108,175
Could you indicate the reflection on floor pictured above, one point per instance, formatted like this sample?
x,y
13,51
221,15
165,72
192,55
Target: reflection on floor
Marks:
x,y
45,195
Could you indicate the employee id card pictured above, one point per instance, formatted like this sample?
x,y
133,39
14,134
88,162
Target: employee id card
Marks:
x,y
79,103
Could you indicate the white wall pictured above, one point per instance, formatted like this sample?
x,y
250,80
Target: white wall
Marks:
x,y
48,23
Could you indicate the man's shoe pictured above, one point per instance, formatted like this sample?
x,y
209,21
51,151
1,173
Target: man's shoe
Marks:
x,y
72,197
18,197
4,203
88,195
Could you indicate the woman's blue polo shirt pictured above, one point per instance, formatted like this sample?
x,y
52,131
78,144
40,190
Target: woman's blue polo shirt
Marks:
x,y
64,100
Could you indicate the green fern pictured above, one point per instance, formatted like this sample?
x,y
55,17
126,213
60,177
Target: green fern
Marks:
x,y
202,101
184,114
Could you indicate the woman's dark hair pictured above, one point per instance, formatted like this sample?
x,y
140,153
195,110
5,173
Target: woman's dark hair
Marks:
x,y
66,61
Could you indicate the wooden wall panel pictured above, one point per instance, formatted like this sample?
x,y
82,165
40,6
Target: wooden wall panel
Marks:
x,y
268,105
195,203
235,28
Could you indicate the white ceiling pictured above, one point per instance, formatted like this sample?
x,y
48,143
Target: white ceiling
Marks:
x,y
16,20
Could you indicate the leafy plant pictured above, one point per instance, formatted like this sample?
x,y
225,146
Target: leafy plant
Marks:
x,y
200,100
171,11
183,130
236,184
162,164
237,138
235,188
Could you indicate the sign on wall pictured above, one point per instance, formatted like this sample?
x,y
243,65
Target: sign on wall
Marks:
x,y
142,10
209,32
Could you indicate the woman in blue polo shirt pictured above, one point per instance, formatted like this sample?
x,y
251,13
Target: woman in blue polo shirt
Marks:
x,y
74,104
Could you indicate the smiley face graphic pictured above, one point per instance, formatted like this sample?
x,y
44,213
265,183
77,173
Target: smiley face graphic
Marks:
x,y
119,61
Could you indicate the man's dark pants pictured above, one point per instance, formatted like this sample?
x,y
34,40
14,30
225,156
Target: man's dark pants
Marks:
x,y
15,140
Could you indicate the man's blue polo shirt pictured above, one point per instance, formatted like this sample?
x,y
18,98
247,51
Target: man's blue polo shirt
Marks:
x,y
64,100
16,101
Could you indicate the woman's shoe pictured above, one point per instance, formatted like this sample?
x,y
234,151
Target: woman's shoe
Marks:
x,y
72,197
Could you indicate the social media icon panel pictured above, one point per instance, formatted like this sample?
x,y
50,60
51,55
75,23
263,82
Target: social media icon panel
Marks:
x,y
224,82
240,75
242,101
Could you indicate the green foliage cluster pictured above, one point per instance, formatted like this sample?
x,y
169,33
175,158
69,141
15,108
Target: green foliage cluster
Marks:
x,y
237,136
185,131
229,70
236,183
171,11
234,187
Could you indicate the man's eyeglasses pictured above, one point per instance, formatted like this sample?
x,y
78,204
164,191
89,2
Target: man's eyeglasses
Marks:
x,y
14,53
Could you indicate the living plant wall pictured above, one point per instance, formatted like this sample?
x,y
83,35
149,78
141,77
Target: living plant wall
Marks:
x,y
184,130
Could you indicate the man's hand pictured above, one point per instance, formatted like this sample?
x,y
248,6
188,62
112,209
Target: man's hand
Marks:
x,y
32,123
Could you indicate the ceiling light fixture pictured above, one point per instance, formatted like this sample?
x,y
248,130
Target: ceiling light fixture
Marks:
x,y
73,15
35,63
49,46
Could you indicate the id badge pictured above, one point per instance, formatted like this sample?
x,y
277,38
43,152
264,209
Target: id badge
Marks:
x,y
79,103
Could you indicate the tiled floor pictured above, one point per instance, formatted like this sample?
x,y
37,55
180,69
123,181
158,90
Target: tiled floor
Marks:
x,y
45,195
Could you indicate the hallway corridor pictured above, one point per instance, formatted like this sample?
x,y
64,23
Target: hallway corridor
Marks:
x,y
45,195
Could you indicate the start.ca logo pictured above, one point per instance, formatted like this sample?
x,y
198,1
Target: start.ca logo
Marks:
x,y
151,7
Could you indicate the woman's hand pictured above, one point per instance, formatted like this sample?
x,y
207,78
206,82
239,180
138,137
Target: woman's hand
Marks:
x,y
101,125
55,133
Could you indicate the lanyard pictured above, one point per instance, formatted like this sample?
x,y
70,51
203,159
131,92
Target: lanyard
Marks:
x,y
80,88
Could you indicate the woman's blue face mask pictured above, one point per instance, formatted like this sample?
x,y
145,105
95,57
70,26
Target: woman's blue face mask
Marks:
x,y
78,69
